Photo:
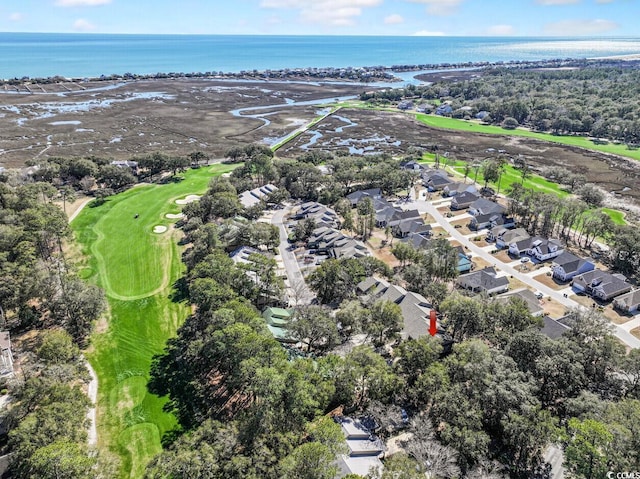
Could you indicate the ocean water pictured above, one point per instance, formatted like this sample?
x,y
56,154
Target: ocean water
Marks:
x,y
89,55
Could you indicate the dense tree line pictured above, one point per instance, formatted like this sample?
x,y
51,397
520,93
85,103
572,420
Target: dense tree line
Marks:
x,y
596,101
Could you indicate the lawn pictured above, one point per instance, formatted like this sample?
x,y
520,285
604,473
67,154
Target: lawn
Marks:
x,y
473,126
136,268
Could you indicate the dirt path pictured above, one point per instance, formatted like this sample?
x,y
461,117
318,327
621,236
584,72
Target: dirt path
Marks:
x,y
92,392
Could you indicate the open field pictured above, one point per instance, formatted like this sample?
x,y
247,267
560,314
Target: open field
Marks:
x,y
478,127
137,269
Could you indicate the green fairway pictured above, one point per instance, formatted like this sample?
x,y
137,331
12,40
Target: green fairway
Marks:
x,y
137,268
476,127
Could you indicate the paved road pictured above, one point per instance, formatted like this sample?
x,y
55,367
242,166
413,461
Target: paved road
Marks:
x,y
426,207
297,285
555,457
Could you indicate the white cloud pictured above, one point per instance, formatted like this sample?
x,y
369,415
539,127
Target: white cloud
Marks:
x,y
81,3
82,25
501,30
428,33
16,17
557,2
331,12
580,27
393,19
439,7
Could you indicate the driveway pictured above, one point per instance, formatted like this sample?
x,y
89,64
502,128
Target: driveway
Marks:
x,y
426,207
298,289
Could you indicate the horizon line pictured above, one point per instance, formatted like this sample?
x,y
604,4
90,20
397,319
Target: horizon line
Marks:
x,y
325,35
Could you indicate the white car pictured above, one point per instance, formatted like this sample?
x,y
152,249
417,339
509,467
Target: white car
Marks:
x,y
526,259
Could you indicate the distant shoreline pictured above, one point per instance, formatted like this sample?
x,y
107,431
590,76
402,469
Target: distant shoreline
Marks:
x,y
366,74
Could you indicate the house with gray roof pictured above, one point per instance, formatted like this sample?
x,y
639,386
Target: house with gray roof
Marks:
x,y
463,200
321,214
522,246
256,195
357,196
491,220
436,180
415,308
553,329
484,281
628,303
364,449
483,206
505,237
566,266
455,189
347,247
526,295
544,249
601,284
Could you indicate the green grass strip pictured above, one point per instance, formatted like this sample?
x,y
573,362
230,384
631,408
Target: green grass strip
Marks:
x,y
137,269
477,127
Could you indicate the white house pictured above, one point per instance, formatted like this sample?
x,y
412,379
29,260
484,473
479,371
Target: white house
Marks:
x,y
545,249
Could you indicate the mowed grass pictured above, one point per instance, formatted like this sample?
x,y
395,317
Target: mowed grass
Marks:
x,y
477,127
137,268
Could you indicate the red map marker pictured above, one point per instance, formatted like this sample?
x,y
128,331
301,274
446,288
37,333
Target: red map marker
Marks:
x,y
433,328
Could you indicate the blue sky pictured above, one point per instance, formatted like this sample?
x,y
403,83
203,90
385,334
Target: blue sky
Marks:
x,y
326,17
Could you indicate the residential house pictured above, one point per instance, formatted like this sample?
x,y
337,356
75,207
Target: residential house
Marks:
x,y
357,196
483,206
321,214
412,227
416,310
463,200
464,262
348,248
544,249
628,303
601,284
444,109
418,240
6,355
436,180
566,266
277,320
256,195
241,254
526,295
455,189
364,449
404,222
405,105
411,165
507,237
484,281
553,329
490,220
521,246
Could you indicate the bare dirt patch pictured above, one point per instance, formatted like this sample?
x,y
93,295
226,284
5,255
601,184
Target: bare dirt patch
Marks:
x,y
503,255
550,282
636,332
552,308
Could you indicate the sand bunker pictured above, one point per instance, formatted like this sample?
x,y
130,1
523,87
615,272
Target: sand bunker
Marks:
x,y
188,199
172,216
159,229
